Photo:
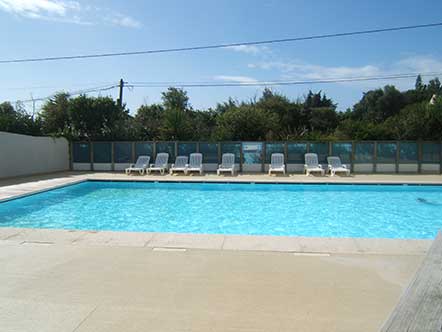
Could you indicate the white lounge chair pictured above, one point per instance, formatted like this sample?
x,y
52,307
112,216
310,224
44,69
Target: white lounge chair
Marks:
x,y
161,163
180,165
140,166
312,165
277,163
335,166
227,164
195,163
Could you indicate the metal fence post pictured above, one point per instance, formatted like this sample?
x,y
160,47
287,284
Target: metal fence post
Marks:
x,y
375,157
419,156
352,157
263,156
133,153
154,150
398,153
286,152
91,152
219,152
440,157
241,156
113,156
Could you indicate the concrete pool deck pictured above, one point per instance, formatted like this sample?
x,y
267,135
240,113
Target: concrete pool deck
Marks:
x,y
59,280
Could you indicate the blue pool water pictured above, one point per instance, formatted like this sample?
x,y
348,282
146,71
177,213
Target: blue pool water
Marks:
x,y
372,211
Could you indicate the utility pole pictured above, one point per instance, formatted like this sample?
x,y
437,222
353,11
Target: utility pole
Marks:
x,y
120,99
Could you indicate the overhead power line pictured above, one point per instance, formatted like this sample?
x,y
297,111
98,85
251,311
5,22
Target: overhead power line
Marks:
x,y
224,45
227,84
70,93
276,82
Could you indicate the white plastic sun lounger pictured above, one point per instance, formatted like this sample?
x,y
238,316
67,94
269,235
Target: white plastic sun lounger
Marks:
x,y
227,164
312,165
277,163
180,165
140,166
195,163
160,165
335,166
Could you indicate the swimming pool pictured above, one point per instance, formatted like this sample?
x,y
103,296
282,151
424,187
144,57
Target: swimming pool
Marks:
x,y
367,211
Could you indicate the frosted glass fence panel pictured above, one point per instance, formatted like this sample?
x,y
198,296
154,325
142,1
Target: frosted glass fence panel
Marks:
x,y
102,156
234,148
143,149
273,148
122,155
185,149
81,153
362,157
363,160
167,147
343,151
321,149
252,156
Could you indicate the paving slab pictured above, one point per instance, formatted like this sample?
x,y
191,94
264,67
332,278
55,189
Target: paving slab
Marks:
x,y
108,238
133,289
23,316
193,241
47,236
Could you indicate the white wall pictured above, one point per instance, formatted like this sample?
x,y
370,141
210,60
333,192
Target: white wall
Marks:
x,y
26,155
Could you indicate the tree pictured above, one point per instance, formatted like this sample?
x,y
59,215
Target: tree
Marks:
x,y
149,120
55,116
17,121
95,118
419,86
175,99
246,122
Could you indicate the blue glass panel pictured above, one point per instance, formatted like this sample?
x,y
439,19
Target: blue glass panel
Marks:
x,y
122,152
408,152
81,153
167,147
273,148
431,153
386,153
364,153
296,152
102,152
210,153
321,149
185,149
143,149
343,151
234,148
252,152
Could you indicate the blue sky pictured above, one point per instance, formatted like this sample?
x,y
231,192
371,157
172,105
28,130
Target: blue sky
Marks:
x,y
38,28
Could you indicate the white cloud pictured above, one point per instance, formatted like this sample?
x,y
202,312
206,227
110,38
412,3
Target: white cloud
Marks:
x,y
311,71
38,8
124,21
249,49
420,64
299,70
67,11
236,79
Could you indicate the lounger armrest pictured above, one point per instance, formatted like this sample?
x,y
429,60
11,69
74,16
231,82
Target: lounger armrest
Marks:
x,y
187,165
131,165
320,166
344,165
330,167
172,166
